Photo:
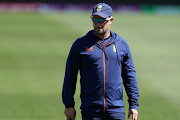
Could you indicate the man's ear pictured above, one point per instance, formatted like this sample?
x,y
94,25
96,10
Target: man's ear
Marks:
x,y
111,20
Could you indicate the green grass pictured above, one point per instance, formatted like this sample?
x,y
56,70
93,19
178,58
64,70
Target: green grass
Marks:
x,y
34,48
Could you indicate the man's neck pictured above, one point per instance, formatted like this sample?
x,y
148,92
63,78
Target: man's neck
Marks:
x,y
103,36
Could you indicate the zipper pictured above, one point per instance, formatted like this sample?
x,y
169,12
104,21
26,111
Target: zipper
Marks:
x,y
104,56
104,82
104,64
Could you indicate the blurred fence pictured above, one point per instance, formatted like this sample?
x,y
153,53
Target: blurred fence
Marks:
x,y
49,7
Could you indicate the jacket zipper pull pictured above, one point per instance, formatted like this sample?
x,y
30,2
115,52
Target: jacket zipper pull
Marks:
x,y
105,54
103,50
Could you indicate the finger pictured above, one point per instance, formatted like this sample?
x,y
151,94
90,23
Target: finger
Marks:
x,y
129,114
67,118
74,116
71,118
134,116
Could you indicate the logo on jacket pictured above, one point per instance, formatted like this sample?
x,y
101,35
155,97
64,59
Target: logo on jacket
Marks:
x,y
89,49
99,8
114,48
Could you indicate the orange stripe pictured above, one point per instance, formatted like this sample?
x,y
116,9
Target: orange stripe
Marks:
x,y
107,44
104,81
104,78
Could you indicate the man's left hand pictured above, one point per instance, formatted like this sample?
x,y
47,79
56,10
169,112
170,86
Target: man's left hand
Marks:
x,y
134,113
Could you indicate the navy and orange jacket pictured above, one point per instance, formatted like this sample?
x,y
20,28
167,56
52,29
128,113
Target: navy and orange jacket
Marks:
x,y
103,71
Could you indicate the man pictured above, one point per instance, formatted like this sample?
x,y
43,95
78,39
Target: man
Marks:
x,y
104,59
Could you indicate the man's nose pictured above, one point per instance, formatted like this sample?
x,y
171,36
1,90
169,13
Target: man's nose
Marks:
x,y
99,24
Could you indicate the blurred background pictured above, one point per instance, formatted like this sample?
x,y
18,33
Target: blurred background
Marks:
x,y
35,39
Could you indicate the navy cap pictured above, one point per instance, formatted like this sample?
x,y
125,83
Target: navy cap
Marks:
x,y
103,10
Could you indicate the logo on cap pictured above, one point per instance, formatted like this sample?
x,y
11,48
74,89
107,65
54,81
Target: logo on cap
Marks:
x,y
99,8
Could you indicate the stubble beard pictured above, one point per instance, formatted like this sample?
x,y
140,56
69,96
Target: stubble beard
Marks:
x,y
99,32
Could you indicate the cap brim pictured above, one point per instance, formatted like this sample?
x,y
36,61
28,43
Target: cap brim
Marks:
x,y
100,14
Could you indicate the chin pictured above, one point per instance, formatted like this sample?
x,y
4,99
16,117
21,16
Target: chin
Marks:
x,y
100,32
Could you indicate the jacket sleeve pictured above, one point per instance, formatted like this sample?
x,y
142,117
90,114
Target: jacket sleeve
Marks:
x,y
130,80
70,79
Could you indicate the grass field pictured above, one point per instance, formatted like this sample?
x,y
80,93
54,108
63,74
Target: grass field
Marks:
x,y
34,48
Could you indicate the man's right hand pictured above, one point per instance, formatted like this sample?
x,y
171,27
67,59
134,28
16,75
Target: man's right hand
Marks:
x,y
70,113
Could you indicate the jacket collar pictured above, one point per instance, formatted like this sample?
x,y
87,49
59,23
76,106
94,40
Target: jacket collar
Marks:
x,y
93,37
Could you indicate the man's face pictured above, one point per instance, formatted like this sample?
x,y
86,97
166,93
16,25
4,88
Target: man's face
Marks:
x,y
101,29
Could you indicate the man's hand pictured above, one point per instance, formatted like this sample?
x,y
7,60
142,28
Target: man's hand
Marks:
x,y
70,113
134,113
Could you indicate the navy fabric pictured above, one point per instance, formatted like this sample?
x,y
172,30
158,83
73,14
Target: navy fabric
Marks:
x,y
105,41
103,116
103,72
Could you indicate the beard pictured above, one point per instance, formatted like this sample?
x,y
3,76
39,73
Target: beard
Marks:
x,y
99,31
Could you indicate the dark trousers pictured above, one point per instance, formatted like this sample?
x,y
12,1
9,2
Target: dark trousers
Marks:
x,y
102,116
